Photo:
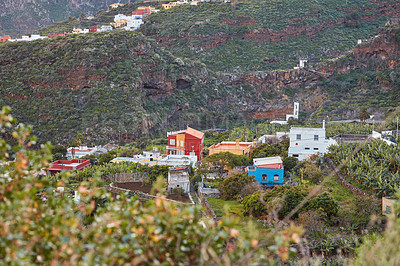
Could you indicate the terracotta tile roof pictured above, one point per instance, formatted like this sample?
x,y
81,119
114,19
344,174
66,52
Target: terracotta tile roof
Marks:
x,y
178,168
230,146
195,133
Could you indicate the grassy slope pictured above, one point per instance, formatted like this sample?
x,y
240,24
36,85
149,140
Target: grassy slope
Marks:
x,y
221,207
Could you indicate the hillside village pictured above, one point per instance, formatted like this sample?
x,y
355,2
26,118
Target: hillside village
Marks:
x,y
278,188
121,22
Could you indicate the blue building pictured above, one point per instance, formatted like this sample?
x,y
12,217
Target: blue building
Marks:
x,y
267,171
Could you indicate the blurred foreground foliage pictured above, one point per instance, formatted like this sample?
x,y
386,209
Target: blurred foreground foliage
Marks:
x,y
38,225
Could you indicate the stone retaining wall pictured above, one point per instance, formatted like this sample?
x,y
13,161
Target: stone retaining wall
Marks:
x,y
348,185
204,202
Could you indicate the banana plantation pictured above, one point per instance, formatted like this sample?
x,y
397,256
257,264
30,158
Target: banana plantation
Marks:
x,y
374,165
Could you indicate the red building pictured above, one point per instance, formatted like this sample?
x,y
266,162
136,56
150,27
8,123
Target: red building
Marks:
x,y
5,38
144,11
93,29
186,142
71,165
56,35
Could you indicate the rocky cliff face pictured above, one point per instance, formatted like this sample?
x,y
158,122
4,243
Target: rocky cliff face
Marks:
x,y
26,16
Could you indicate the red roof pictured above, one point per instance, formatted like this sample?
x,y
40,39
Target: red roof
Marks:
x,y
75,164
230,146
179,168
194,133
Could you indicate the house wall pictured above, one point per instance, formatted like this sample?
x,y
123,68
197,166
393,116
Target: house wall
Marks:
x,y
387,206
193,144
307,146
178,179
180,142
258,172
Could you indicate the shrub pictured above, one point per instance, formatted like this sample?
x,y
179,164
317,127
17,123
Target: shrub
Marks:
x,y
291,197
249,189
323,202
178,191
231,186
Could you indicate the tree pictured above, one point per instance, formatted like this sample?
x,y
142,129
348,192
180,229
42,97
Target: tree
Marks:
x,y
231,187
323,202
107,157
225,161
275,149
364,114
289,163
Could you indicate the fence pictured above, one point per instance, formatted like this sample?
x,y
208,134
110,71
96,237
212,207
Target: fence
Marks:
x,y
141,195
204,202
125,177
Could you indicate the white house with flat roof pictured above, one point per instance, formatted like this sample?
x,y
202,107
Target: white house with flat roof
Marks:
x,y
178,160
305,142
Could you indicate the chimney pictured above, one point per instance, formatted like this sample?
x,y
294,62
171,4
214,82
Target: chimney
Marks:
x,y
237,144
323,123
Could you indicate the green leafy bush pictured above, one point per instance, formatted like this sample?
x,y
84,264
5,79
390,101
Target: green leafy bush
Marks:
x,y
231,186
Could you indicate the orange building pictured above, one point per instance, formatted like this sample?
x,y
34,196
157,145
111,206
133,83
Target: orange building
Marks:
x,y
5,38
238,148
168,6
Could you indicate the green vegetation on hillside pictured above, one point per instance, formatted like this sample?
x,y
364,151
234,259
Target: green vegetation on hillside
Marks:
x,y
265,35
376,166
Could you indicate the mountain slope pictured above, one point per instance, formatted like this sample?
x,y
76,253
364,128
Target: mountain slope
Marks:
x,y
261,35
119,86
110,86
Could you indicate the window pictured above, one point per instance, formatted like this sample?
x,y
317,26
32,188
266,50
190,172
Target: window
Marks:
x,y
298,136
306,148
182,143
295,155
388,210
315,149
264,177
315,137
276,177
172,142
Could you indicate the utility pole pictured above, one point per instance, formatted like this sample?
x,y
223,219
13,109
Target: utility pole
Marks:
x,y
244,132
397,130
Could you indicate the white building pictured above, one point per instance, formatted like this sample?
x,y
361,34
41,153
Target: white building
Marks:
x,y
79,152
295,115
305,142
178,160
155,153
134,22
26,38
121,17
179,178
105,28
272,138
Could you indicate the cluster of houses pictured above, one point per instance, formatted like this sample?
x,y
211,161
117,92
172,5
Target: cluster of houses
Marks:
x,y
131,22
185,148
121,21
